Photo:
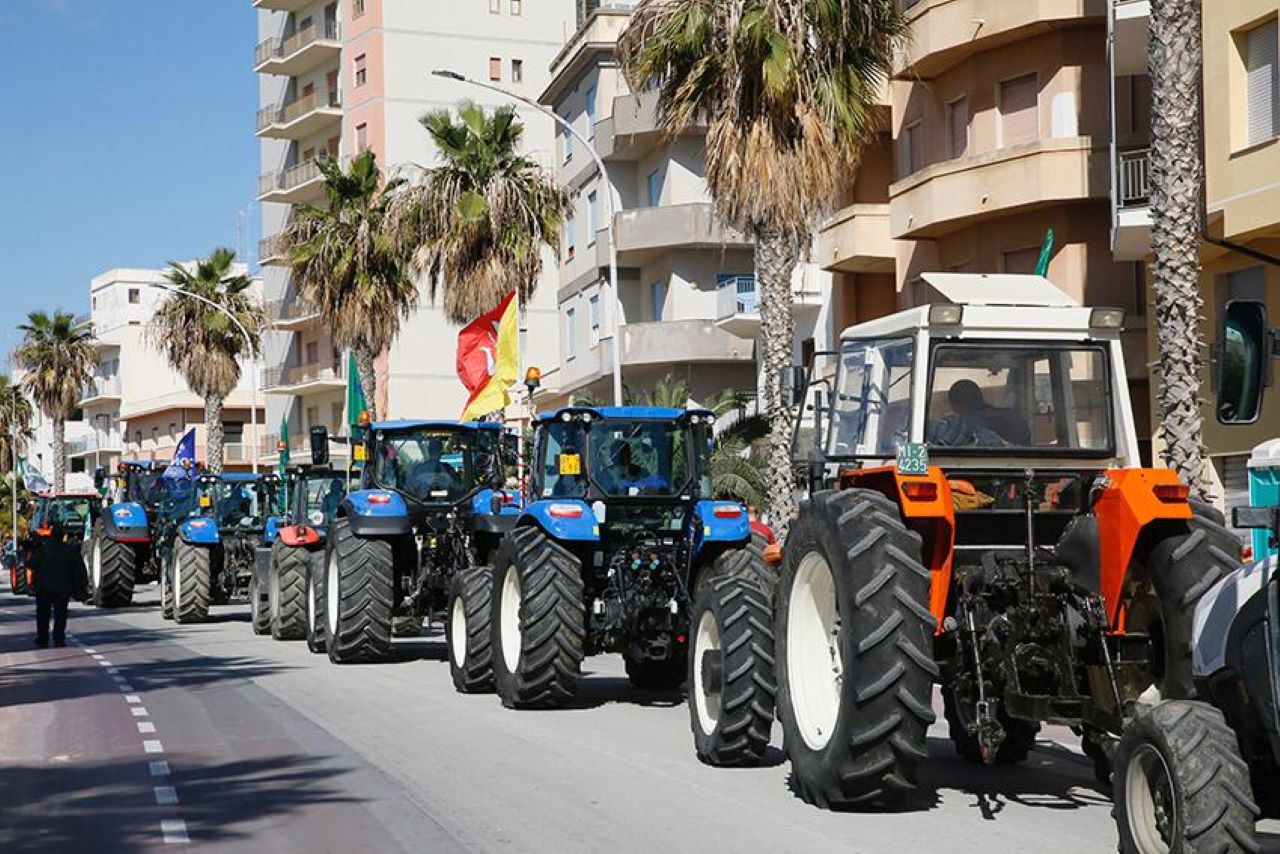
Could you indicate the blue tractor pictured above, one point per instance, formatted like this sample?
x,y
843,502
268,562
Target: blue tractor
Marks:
x,y
219,533
430,503
623,548
120,549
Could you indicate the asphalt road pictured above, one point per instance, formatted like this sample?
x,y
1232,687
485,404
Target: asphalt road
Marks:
x,y
142,735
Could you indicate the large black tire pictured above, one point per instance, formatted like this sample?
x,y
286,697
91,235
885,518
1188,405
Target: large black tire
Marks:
x,y
406,625
1019,735
1180,784
317,621
259,610
1182,568
18,579
113,566
363,570
468,630
854,713
287,593
747,562
538,647
166,589
731,672
192,574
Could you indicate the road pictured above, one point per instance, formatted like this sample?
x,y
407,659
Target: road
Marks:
x,y
142,735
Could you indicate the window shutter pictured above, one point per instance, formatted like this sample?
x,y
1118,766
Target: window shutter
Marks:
x,y
1019,112
958,126
1260,82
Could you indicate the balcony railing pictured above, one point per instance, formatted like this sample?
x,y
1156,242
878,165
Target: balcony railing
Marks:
x,y
102,387
276,48
283,114
94,442
287,179
1135,178
270,248
736,296
289,308
286,375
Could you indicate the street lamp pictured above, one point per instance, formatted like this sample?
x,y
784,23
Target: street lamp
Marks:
x,y
615,205
252,348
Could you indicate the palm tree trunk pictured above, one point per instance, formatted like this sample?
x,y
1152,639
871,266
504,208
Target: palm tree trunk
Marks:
x,y
1177,174
368,381
776,258
213,433
59,454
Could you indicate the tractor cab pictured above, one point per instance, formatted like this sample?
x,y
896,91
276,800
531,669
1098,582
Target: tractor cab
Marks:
x,y
76,513
238,503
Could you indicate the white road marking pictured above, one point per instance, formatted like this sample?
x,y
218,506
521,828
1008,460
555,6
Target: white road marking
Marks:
x,y
138,711
104,663
132,698
153,746
160,769
146,727
123,685
166,796
113,669
97,656
174,830
89,650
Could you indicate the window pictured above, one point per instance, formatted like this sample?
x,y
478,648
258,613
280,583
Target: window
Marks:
x,y
655,187
568,145
591,113
495,68
515,7
362,138
1259,50
335,415
593,218
517,71
872,414
912,148
958,127
313,416
357,8
593,319
570,245
1019,112
658,294
135,296
495,7
570,336
313,352
362,72
1020,260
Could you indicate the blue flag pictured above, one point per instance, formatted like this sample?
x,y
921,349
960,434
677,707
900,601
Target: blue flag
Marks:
x,y
185,452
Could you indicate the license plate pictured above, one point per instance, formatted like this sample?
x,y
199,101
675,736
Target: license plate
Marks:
x,y
913,458
571,464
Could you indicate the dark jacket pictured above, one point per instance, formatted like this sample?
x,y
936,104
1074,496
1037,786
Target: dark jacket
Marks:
x,y
57,569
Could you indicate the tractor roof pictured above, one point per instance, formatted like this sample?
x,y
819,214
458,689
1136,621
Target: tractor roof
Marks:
x,y
654,413
413,424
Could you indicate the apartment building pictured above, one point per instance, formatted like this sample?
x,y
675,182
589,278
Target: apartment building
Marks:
x,y
136,406
338,78
686,302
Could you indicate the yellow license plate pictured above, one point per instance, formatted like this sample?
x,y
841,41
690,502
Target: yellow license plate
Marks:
x,y
361,454
571,464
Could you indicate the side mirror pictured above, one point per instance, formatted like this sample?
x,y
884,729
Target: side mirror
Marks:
x,y
99,477
319,446
1244,350
1256,517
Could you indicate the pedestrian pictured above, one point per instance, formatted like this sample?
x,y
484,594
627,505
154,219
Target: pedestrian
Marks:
x,y
58,575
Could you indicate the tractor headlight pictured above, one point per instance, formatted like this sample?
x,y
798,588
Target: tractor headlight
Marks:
x,y
1106,318
945,314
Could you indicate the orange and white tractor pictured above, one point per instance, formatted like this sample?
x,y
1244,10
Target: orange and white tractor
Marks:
x,y
981,519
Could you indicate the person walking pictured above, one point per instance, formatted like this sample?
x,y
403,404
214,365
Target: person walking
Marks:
x,y
58,575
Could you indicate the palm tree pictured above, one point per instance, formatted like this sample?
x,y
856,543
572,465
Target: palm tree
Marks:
x,y
16,416
200,342
789,91
57,356
1177,174
347,268
476,224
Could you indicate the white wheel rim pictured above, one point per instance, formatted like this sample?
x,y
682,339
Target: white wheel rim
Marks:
x,y
1146,810
815,670
331,595
706,697
458,632
311,601
509,619
177,582
97,564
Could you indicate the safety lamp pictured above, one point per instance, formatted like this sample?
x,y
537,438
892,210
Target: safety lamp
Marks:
x,y
532,378
363,419
1106,318
281,446
945,314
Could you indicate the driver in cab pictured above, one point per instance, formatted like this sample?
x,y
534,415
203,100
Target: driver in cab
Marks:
x,y
623,474
433,473
973,421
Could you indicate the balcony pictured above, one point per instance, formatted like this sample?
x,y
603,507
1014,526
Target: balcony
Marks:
x,y
856,240
738,303
291,314
271,251
642,232
304,379
1131,214
101,390
95,443
1131,25
663,343
283,5
300,446
631,130
299,53
302,182
944,197
300,118
947,32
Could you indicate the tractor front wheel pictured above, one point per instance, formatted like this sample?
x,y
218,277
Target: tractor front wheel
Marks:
x,y
1180,784
731,673
166,590
113,567
287,591
192,575
539,622
468,631
854,634
316,599
359,588
259,611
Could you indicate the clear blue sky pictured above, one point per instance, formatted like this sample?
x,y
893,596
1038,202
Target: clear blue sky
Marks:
x,y
128,141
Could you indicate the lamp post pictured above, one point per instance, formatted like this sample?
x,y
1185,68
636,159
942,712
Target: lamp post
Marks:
x,y
253,370
615,205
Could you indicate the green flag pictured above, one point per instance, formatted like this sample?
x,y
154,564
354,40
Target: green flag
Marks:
x,y
355,393
1042,265
283,445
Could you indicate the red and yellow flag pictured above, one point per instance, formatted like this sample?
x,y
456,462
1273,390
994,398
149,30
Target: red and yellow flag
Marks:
x,y
488,359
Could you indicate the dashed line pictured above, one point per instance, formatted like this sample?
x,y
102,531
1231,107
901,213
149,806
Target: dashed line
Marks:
x,y
160,769
153,745
98,656
166,796
138,711
146,727
174,830
132,698
124,686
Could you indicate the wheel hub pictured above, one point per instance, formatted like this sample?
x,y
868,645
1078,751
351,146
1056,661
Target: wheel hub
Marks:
x,y
815,667
1152,807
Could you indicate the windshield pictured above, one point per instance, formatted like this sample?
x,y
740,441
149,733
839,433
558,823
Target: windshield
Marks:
x,y
435,466
1043,399
320,499
75,515
145,488
872,409
635,458
234,505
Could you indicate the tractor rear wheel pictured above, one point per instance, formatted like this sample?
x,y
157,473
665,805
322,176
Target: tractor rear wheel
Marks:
x,y
316,599
259,611
468,630
731,673
747,562
406,626
287,591
854,633
1019,735
113,567
1180,783
359,586
192,575
539,622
